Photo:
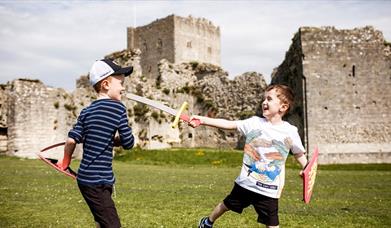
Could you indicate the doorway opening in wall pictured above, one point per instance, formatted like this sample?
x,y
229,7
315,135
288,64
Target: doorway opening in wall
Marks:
x,y
3,140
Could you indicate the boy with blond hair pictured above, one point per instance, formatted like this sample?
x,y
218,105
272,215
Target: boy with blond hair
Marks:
x,y
100,127
268,142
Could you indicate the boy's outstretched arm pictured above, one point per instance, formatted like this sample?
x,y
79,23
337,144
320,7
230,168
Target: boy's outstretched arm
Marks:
x,y
302,160
218,123
69,147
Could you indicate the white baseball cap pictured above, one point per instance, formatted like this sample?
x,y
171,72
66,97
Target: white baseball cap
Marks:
x,y
101,69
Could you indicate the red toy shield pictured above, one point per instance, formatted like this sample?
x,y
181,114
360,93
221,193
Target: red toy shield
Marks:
x,y
53,162
309,175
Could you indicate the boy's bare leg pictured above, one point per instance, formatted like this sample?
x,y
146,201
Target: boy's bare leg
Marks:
x,y
218,211
97,225
272,226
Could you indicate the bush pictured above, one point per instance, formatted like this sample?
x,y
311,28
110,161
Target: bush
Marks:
x,y
56,105
166,91
245,114
140,111
194,64
70,107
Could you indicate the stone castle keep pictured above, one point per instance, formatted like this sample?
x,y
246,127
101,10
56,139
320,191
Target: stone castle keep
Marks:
x,y
177,40
341,80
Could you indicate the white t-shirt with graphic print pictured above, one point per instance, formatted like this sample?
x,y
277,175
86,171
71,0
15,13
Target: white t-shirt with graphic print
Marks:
x,y
267,148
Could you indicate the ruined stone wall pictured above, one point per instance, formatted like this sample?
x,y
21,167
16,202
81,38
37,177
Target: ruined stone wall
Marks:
x,y
220,97
347,81
236,102
209,91
38,116
196,39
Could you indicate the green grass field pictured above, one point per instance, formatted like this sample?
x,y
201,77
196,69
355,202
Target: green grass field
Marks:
x,y
175,188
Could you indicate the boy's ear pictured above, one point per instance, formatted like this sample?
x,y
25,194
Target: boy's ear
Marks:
x,y
105,84
284,108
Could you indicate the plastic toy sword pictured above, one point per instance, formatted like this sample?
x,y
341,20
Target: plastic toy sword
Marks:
x,y
177,113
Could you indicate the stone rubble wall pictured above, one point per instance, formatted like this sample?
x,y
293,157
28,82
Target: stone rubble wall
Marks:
x,y
37,116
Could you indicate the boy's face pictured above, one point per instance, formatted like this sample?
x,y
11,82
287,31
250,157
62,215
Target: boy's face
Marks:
x,y
115,86
272,106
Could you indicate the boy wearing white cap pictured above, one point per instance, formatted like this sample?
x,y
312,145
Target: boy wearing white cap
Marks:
x,y
97,127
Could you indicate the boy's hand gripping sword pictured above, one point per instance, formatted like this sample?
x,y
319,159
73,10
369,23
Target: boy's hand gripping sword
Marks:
x,y
177,113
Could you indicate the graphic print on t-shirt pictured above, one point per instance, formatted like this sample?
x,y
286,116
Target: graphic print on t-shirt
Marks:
x,y
264,158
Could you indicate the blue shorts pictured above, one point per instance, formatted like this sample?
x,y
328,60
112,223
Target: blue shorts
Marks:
x,y
266,207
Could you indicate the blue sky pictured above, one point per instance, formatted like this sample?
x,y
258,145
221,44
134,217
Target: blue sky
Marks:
x,y
57,41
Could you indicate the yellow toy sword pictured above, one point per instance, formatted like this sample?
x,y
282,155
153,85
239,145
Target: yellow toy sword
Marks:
x,y
177,113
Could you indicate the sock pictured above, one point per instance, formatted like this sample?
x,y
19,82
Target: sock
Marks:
x,y
208,222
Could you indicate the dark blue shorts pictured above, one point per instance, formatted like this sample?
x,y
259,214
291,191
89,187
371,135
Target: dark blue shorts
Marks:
x,y
266,207
98,199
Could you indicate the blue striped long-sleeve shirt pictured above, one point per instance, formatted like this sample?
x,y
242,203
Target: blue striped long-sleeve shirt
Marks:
x,y
95,128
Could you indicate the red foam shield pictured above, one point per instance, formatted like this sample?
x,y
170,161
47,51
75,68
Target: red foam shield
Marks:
x,y
309,176
52,163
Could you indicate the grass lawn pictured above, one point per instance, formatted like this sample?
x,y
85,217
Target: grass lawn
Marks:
x,y
175,188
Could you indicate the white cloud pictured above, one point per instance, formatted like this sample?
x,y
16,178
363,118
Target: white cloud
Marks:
x,y
57,41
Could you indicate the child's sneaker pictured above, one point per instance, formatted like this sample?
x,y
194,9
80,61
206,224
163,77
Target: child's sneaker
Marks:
x,y
205,223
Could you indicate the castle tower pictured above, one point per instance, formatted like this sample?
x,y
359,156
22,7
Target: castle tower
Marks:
x,y
342,82
176,39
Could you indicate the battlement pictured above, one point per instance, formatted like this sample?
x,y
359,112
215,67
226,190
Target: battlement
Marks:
x,y
200,23
190,21
330,33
